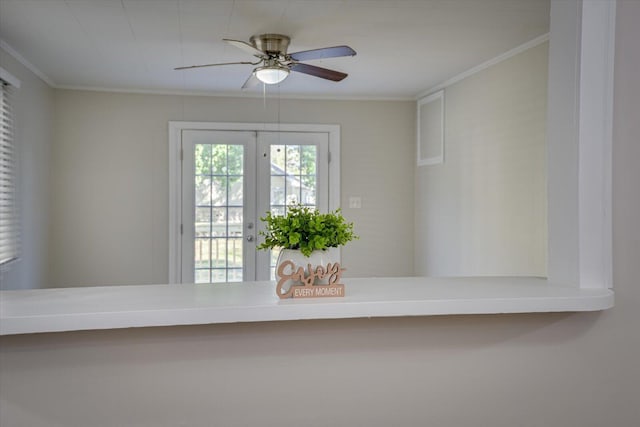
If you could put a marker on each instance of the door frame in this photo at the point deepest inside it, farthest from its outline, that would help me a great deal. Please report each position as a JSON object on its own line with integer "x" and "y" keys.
{"x": 175, "y": 172}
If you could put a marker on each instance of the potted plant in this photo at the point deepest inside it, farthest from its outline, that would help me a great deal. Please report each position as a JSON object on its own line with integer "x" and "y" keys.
{"x": 305, "y": 235}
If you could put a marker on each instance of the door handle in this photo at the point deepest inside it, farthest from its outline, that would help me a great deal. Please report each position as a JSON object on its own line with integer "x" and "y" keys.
{"x": 250, "y": 238}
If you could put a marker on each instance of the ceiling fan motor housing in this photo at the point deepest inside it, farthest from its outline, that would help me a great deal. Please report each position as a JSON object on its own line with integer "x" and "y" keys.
{"x": 274, "y": 44}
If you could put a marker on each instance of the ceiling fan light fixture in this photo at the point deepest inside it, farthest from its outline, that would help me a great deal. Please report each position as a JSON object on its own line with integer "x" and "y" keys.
{"x": 271, "y": 75}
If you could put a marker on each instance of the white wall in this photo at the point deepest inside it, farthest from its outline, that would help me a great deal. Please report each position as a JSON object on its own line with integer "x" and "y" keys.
{"x": 483, "y": 212}
{"x": 109, "y": 160}
{"x": 33, "y": 109}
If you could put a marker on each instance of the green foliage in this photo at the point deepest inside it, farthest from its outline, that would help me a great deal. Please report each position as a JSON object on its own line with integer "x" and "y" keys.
{"x": 306, "y": 229}
{"x": 218, "y": 159}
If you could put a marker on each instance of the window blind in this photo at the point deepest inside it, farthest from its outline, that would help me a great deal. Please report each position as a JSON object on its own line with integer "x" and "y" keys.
{"x": 8, "y": 208}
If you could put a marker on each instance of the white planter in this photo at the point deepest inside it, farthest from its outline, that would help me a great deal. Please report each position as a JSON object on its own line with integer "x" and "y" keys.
{"x": 317, "y": 258}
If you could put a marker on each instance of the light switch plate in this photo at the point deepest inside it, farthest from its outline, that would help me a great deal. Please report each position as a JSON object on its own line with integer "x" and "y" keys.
{"x": 355, "y": 202}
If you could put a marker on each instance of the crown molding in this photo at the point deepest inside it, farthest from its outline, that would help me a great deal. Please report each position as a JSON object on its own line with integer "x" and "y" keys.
{"x": 248, "y": 95}
{"x": 21, "y": 59}
{"x": 502, "y": 57}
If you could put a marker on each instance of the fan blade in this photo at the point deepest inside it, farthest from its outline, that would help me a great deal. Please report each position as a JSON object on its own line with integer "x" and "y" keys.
{"x": 326, "y": 52}
{"x": 323, "y": 73}
{"x": 246, "y": 47}
{"x": 213, "y": 65}
{"x": 252, "y": 81}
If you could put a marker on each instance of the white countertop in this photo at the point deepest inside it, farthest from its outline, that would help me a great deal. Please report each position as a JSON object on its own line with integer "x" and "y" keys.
{"x": 111, "y": 307}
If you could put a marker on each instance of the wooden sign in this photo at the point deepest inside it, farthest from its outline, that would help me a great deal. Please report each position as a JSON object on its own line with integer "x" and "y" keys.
{"x": 302, "y": 283}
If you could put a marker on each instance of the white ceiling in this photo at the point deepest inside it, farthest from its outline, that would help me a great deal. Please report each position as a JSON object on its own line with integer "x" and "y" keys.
{"x": 403, "y": 47}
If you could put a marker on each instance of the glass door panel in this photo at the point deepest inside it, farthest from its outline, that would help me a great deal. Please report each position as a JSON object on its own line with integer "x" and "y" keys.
{"x": 296, "y": 164}
{"x": 232, "y": 178}
{"x": 215, "y": 207}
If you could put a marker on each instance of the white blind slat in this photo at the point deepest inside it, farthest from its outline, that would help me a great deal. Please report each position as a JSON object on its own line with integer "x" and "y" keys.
{"x": 9, "y": 223}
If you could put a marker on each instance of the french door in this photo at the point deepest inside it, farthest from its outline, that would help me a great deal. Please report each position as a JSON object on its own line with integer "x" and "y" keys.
{"x": 229, "y": 179}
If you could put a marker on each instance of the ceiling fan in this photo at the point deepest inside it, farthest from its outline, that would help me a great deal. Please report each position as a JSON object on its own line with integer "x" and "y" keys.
{"x": 275, "y": 63}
